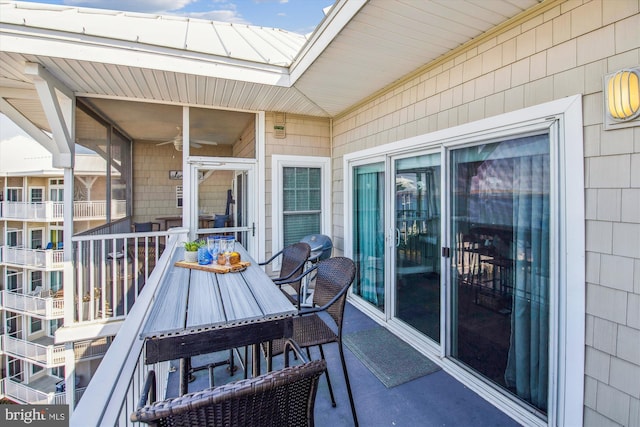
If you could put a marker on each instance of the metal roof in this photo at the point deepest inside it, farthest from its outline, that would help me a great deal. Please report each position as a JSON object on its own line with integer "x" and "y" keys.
{"x": 227, "y": 40}
{"x": 361, "y": 47}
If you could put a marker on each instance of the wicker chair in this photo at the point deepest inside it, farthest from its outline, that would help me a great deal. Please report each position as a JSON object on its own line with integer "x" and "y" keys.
{"x": 280, "y": 398}
{"x": 294, "y": 258}
{"x": 333, "y": 278}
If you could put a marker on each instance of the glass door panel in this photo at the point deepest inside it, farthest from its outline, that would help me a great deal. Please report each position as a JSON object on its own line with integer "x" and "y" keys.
{"x": 500, "y": 212}
{"x": 223, "y": 203}
{"x": 417, "y": 244}
{"x": 368, "y": 233}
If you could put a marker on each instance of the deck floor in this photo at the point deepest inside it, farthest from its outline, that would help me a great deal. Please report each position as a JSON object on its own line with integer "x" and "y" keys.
{"x": 436, "y": 399}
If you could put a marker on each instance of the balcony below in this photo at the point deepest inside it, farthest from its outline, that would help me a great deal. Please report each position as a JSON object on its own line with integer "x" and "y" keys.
{"x": 42, "y": 304}
{"x": 36, "y": 259}
{"x": 53, "y": 211}
{"x": 40, "y": 391}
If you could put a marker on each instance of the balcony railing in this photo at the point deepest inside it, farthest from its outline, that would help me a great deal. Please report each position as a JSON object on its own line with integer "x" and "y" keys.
{"x": 115, "y": 388}
{"x": 47, "y": 307}
{"x": 53, "y": 211}
{"x": 46, "y": 259}
{"x": 111, "y": 270}
{"x": 45, "y": 355}
{"x": 25, "y": 394}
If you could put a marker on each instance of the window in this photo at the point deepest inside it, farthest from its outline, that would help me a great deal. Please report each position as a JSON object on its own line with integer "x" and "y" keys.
{"x": 14, "y": 194}
{"x": 301, "y": 203}
{"x": 36, "y": 195}
{"x": 36, "y": 239}
{"x": 36, "y": 280}
{"x": 301, "y": 198}
{"x": 14, "y": 237}
{"x": 178, "y": 196}
{"x": 56, "y": 280}
{"x": 56, "y": 190}
{"x": 35, "y": 325}
{"x": 14, "y": 279}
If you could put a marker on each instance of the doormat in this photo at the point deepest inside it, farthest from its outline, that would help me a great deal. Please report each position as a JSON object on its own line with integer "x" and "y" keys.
{"x": 389, "y": 358}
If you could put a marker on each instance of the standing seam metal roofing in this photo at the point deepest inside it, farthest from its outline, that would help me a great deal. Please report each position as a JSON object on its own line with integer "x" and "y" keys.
{"x": 236, "y": 41}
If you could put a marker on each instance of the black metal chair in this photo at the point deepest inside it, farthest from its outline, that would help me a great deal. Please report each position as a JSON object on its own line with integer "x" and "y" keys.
{"x": 280, "y": 398}
{"x": 333, "y": 278}
{"x": 294, "y": 258}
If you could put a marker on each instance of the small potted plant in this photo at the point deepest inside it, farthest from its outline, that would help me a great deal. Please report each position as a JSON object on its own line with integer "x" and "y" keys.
{"x": 191, "y": 250}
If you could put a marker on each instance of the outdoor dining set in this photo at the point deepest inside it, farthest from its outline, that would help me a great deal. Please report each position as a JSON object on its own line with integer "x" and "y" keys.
{"x": 203, "y": 308}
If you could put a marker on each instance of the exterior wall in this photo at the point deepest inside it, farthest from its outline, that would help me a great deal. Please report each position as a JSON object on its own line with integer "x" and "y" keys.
{"x": 565, "y": 49}
{"x": 154, "y": 194}
{"x": 305, "y": 136}
{"x": 245, "y": 147}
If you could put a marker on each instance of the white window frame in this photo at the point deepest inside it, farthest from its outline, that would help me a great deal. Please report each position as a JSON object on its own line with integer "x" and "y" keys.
{"x": 14, "y": 194}
{"x": 567, "y": 323}
{"x": 278, "y": 163}
{"x": 43, "y": 194}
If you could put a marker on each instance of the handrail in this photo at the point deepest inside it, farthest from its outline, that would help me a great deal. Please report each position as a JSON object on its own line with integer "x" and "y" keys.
{"x": 115, "y": 386}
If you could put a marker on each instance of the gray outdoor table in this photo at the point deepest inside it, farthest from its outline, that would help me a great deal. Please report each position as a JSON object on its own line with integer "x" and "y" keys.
{"x": 198, "y": 312}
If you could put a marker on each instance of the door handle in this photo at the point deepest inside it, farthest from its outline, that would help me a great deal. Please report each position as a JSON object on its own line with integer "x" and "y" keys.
{"x": 397, "y": 237}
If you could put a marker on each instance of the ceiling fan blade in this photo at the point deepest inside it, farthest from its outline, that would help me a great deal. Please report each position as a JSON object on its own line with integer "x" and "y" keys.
{"x": 195, "y": 145}
{"x": 166, "y": 142}
{"x": 203, "y": 142}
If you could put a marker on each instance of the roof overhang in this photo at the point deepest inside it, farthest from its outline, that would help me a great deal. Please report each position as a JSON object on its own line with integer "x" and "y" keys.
{"x": 360, "y": 48}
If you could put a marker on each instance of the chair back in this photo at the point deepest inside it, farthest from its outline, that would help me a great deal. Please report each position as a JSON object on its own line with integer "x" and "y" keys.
{"x": 294, "y": 258}
{"x": 279, "y": 398}
{"x": 334, "y": 276}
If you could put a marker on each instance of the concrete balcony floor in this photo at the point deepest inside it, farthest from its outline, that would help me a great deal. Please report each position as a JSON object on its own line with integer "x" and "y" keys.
{"x": 436, "y": 399}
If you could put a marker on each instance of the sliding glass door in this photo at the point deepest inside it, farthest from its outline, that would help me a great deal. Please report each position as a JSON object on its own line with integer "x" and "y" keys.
{"x": 500, "y": 269}
{"x": 417, "y": 243}
{"x": 368, "y": 233}
{"x": 494, "y": 206}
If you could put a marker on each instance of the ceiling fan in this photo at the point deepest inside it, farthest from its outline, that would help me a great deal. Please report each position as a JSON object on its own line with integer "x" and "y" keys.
{"x": 178, "y": 142}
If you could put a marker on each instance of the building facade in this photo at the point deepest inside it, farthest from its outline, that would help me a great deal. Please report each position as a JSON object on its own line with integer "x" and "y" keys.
{"x": 488, "y": 195}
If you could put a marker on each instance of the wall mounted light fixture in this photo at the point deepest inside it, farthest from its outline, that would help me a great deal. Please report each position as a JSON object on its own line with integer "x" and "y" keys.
{"x": 622, "y": 98}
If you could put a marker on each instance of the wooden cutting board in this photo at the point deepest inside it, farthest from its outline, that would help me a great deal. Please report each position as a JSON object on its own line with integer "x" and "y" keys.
{"x": 214, "y": 268}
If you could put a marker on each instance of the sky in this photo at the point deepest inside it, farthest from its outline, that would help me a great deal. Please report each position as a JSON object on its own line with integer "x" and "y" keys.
{"x": 298, "y": 16}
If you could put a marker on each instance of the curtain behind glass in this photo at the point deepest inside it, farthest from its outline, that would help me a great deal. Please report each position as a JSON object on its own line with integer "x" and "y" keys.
{"x": 368, "y": 235}
{"x": 528, "y": 361}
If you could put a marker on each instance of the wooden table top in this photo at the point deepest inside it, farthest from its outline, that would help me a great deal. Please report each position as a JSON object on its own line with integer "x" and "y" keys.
{"x": 192, "y": 301}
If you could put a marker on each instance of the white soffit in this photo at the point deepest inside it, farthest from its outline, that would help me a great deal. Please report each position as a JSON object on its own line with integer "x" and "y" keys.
{"x": 386, "y": 40}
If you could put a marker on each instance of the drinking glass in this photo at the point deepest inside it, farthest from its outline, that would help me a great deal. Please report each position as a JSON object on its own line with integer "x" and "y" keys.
{"x": 230, "y": 245}
{"x": 213, "y": 244}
